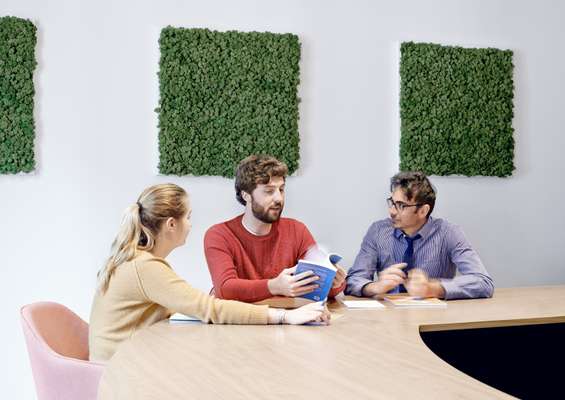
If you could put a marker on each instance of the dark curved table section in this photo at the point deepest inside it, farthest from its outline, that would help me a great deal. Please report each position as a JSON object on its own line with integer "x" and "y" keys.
{"x": 525, "y": 361}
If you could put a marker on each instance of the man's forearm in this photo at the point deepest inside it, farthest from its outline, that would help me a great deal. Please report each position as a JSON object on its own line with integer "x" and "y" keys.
{"x": 468, "y": 286}
{"x": 246, "y": 290}
{"x": 371, "y": 289}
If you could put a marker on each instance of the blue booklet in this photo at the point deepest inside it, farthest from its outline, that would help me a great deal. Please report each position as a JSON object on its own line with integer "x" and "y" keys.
{"x": 322, "y": 265}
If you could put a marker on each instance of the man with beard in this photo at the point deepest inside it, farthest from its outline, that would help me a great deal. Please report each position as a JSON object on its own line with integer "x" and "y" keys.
{"x": 254, "y": 255}
{"x": 413, "y": 252}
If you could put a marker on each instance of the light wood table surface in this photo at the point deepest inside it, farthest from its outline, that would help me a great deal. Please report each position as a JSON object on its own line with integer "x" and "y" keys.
{"x": 363, "y": 354}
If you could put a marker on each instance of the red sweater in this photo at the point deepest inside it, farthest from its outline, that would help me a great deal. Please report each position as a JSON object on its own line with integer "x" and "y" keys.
{"x": 241, "y": 263}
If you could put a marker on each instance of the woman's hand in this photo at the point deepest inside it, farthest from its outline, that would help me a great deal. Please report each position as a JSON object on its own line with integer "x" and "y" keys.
{"x": 313, "y": 312}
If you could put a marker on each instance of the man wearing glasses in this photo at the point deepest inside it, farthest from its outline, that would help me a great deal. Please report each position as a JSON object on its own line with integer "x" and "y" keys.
{"x": 413, "y": 252}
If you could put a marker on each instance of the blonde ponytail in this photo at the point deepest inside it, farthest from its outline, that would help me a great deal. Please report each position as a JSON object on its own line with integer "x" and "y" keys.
{"x": 140, "y": 224}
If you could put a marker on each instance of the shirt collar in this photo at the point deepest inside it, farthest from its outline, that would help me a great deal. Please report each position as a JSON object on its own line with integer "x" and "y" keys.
{"x": 424, "y": 230}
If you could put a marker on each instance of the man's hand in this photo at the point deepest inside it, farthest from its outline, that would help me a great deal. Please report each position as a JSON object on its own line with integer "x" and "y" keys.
{"x": 388, "y": 279}
{"x": 339, "y": 277}
{"x": 418, "y": 284}
{"x": 289, "y": 285}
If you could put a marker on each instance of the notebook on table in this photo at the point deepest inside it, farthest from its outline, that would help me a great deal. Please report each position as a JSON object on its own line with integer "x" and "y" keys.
{"x": 403, "y": 300}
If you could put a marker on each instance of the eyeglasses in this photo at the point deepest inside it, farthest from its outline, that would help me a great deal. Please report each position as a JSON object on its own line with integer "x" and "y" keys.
{"x": 399, "y": 205}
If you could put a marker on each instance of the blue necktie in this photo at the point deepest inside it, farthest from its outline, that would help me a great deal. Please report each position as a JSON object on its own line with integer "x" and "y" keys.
{"x": 408, "y": 257}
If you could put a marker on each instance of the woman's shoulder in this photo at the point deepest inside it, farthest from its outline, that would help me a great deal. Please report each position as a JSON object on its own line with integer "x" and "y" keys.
{"x": 144, "y": 260}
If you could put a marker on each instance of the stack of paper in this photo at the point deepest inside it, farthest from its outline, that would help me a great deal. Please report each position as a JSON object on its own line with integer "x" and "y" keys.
{"x": 363, "y": 304}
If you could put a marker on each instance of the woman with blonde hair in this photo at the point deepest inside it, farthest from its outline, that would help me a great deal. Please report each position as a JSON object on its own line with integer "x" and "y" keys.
{"x": 137, "y": 287}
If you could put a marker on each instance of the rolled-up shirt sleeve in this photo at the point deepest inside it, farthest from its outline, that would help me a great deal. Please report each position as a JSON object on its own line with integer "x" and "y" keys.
{"x": 363, "y": 269}
{"x": 473, "y": 280}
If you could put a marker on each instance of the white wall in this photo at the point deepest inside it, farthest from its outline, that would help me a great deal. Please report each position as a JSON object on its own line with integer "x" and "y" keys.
{"x": 96, "y": 138}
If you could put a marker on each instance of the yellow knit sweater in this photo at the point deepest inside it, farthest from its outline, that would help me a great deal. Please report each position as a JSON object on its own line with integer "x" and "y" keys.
{"x": 146, "y": 290}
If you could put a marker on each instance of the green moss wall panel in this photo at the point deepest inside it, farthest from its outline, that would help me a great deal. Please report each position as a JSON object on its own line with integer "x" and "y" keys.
{"x": 17, "y": 63}
{"x": 456, "y": 109}
{"x": 224, "y": 96}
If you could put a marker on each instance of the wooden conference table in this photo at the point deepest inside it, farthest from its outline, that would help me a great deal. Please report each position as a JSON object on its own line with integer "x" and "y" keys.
{"x": 363, "y": 354}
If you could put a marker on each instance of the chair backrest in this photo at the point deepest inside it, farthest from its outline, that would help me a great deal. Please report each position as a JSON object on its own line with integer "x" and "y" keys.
{"x": 57, "y": 342}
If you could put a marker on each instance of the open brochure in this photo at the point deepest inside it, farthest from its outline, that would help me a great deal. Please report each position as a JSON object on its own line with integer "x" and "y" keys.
{"x": 322, "y": 264}
{"x": 403, "y": 300}
{"x": 178, "y": 318}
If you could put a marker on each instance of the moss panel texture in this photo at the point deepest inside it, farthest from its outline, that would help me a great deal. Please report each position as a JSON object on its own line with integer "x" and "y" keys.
{"x": 17, "y": 63}
{"x": 456, "y": 109}
{"x": 224, "y": 96}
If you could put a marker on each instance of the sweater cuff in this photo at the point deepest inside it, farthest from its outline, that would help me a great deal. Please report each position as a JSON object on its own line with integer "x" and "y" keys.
{"x": 264, "y": 289}
{"x": 258, "y": 315}
{"x": 335, "y": 291}
{"x": 452, "y": 290}
{"x": 355, "y": 286}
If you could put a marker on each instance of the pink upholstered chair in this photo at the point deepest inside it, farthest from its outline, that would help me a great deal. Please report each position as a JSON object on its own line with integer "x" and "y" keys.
{"x": 57, "y": 342}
